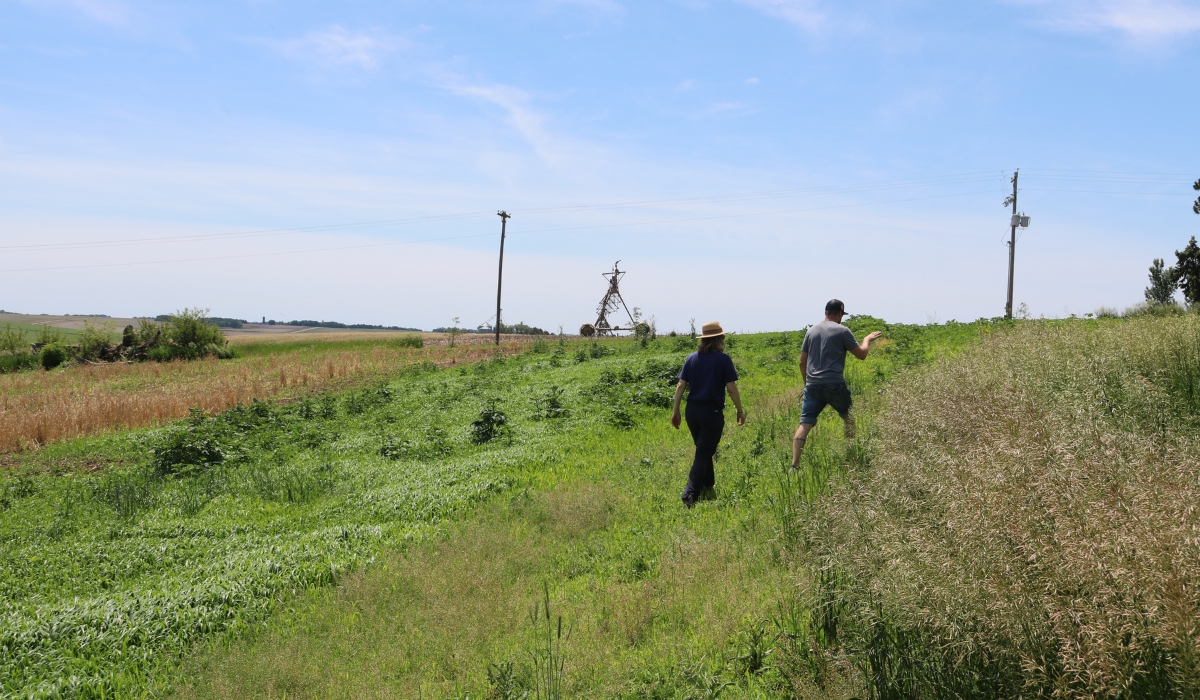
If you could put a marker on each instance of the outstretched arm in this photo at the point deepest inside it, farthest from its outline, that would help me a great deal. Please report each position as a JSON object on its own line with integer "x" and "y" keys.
{"x": 679, "y": 388}
{"x": 861, "y": 351}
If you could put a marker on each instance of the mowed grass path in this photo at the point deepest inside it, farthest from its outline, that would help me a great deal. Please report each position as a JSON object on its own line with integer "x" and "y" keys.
{"x": 659, "y": 601}
{"x": 109, "y": 579}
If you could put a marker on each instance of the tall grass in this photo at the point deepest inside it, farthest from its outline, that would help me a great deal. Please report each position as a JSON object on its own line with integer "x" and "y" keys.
{"x": 1027, "y": 524}
{"x": 37, "y": 408}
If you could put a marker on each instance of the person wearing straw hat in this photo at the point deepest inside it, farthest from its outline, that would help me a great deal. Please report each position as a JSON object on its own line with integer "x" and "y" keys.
{"x": 822, "y": 361}
{"x": 707, "y": 375}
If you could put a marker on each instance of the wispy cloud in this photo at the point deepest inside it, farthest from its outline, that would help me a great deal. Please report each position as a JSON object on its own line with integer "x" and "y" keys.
{"x": 114, "y": 13}
{"x": 805, "y": 14}
{"x": 515, "y": 103}
{"x": 1141, "y": 20}
{"x": 338, "y": 47}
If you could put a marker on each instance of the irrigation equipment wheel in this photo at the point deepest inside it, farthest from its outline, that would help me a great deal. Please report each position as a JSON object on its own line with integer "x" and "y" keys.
{"x": 587, "y": 330}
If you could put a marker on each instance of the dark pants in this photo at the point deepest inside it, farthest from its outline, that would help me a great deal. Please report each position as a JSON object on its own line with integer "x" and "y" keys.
{"x": 706, "y": 421}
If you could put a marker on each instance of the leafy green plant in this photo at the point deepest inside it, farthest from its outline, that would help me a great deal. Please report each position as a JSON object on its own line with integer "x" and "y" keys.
{"x": 186, "y": 335}
{"x": 491, "y": 423}
{"x": 506, "y": 682}
{"x": 549, "y": 404}
{"x": 53, "y": 355}
{"x": 95, "y": 341}
{"x": 48, "y": 334}
{"x": 187, "y": 448}
{"x": 410, "y": 340}
{"x": 12, "y": 340}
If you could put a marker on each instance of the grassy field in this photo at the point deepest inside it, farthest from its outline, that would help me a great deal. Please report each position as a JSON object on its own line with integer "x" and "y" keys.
{"x": 1026, "y": 523}
{"x": 38, "y": 407}
{"x": 204, "y": 529}
{"x": 1014, "y": 518}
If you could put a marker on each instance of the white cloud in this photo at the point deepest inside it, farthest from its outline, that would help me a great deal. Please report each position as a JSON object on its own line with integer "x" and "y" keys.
{"x": 338, "y": 47}
{"x": 1141, "y": 20}
{"x": 802, "y": 13}
{"x": 515, "y": 103}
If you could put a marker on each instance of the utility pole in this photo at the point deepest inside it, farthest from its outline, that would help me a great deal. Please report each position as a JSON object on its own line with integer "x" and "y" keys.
{"x": 500, "y": 274}
{"x": 1012, "y": 246}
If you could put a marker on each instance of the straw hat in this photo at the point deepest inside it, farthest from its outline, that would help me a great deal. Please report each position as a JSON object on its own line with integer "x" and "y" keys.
{"x": 712, "y": 329}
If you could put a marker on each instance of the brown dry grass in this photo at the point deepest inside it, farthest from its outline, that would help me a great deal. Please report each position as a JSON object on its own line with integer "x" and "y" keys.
{"x": 40, "y": 407}
{"x": 1029, "y": 525}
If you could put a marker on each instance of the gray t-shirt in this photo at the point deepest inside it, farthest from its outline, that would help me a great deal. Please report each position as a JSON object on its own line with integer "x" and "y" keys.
{"x": 826, "y": 344}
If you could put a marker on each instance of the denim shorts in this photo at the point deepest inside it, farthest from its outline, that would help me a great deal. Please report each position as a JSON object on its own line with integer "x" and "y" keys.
{"x": 818, "y": 396}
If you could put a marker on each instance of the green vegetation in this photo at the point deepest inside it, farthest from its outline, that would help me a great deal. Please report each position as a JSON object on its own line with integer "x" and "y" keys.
{"x": 1011, "y": 512}
{"x": 52, "y": 356}
{"x": 1022, "y": 523}
{"x": 188, "y": 335}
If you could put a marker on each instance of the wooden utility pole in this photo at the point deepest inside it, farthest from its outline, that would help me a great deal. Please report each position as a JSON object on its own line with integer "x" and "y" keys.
{"x": 504, "y": 216}
{"x": 1012, "y": 247}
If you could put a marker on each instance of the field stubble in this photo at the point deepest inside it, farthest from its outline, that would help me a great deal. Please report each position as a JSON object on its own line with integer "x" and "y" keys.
{"x": 37, "y": 408}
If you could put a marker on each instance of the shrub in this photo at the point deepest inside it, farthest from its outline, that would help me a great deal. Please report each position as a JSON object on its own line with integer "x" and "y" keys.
{"x": 491, "y": 423}
{"x": 95, "y": 341}
{"x": 187, "y": 448}
{"x": 47, "y": 335}
{"x": 411, "y": 340}
{"x": 53, "y": 355}
{"x": 187, "y": 335}
{"x": 12, "y": 340}
{"x": 549, "y": 404}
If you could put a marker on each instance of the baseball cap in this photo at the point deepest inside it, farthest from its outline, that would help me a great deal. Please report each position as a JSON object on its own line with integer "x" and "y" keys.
{"x": 835, "y": 306}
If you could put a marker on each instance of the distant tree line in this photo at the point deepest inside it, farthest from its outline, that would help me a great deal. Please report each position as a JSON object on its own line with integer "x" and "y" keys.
{"x": 361, "y": 326}
{"x": 217, "y": 321}
{"x": 221, "y": 322}
{"x": 513, "y": 329}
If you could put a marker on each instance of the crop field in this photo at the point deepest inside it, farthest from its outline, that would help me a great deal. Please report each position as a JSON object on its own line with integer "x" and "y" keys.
{"x": 510, "y": 527}
{"x": 37, "y": 408}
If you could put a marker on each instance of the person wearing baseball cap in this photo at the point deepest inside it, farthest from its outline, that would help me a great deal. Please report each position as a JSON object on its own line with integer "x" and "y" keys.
{"x": 707, "y": 375}
{"x": 822, "y": 361}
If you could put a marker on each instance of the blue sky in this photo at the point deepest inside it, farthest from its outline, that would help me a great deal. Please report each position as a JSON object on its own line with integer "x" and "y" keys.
{"x": 766, "y": 155}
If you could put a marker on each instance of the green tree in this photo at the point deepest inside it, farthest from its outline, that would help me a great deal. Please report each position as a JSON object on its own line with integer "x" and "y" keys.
{"x": 1196, "y": 205}
{"x": 1163, "y": 281}
{"x": 1188, "y": 271}
{"x": 188, "y": 335}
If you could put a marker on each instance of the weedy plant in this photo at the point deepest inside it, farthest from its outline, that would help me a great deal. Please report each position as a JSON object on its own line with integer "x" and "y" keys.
{"x": 549, "y": 660}
{"x": 12, "y": 340}
{"x": 491, "y": 423}
{"x": 550, "y": 404}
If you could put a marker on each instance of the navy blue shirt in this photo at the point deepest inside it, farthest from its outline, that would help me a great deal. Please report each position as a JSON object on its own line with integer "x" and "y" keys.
{"x": 707, "y": 376}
